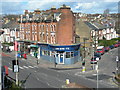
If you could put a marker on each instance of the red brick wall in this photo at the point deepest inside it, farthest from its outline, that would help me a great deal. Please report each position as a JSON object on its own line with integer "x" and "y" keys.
{"x": 65, "y": 32}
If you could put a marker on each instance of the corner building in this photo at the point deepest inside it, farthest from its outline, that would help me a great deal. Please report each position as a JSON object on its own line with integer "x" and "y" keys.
{"x": 54, "y": 31}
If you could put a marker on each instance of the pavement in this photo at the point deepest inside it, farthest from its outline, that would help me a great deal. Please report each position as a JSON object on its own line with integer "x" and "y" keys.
{"x": 51, "y": 65}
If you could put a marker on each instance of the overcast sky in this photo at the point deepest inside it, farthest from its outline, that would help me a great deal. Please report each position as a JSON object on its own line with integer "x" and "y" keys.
{"x": 84, "y": 6}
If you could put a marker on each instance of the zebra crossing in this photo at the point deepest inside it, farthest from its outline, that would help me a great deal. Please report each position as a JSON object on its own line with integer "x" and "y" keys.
{"x": 23, "y": 67}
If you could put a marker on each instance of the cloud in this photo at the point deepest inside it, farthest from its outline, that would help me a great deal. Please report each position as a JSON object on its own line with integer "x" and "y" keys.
{"x": 85, "y": 6}
{"x": 111, "y": 0}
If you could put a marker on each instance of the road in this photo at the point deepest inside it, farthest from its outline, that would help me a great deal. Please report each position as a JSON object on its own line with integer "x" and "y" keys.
{"x": 49, "y": 78}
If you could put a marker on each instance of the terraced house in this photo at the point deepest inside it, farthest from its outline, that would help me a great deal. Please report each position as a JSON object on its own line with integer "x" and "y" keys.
{"x": 54, "y": 31}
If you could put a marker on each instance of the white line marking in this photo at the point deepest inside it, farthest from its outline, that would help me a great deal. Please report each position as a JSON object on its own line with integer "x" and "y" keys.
{"x": 21, "y": 67}
{"x": 25, "y": 67}
{"x": 10, "y": 69}
{"x": 38, "y": 79}
{"x": 31, "y": 66}
{"x": 94, "y": 74}
{"x": 35, "y": 71}
{"x": 36, "y": 66}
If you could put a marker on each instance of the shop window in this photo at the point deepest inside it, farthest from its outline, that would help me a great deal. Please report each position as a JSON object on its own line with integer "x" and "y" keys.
{"x": 48, "y": 53}
{"x": 45, "y": 52}
{"x": 67, "y": 54}
{"x": 42, "y": 52}
{"x": 56, "y": 55}
{"x": 52, "y": 53}
{"x": 72, "y": 54}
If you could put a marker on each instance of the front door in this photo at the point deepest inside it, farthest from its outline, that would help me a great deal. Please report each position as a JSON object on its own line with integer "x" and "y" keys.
{"x": 61, "y": 58}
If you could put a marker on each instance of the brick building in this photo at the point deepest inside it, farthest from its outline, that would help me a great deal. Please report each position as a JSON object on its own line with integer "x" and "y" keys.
{"x": 48, "y": 26}
{"x": 54, "y": 31}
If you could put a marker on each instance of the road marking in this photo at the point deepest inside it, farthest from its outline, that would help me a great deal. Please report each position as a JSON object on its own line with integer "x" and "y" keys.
{"x": 35, "y": 71}
{"x": 31, "y": 66}
{"x": 38, "y": 79}
{"x": 25, "y": 67}
{"x": 36, "y": 66}
{"x": 10, "y": 69}
{"x": 21, "y": 67}
{"x": 94, "y": 74}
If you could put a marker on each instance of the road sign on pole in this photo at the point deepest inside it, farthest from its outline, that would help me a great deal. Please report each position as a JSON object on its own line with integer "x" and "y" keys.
{"x": 15, "y": 66}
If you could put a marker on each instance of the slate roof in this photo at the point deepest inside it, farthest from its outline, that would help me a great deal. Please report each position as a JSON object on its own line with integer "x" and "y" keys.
{"x": 91, "y": 26}
{"x": 95, "y": 26}
{"x": 42, "y": 16}
{"x": 11, "y": 25}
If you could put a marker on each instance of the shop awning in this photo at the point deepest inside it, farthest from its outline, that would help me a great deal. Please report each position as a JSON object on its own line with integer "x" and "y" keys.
{"x": 35, "y": 46}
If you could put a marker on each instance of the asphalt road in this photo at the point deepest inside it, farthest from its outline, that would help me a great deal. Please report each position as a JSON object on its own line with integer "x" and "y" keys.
{"x": 50, "y": 78}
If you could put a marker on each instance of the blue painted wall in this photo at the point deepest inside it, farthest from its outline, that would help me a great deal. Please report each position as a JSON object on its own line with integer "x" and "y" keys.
{"x": 69, "y": 48}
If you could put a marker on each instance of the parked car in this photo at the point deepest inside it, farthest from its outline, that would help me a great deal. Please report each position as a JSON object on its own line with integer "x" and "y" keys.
{"x": 106, "y": 49}
{"x": 111, "y": 46}
{"x": 100, "y": 49}
{"x": 97, "y": 55}
{"x": 116, "y": 45}
{"x": 93, "y": 60}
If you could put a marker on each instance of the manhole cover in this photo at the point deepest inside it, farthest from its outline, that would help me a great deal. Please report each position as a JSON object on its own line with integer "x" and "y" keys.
{"x": 100, "y": 77}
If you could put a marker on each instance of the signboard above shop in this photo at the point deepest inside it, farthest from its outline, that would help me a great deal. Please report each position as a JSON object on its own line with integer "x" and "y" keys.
{"x": 65, "y": 48}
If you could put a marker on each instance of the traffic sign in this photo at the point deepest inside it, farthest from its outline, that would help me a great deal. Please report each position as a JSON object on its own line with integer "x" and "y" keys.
{"x": 16, "y": 68}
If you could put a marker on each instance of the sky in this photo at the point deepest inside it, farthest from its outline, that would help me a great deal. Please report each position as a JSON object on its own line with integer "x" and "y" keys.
{"x": 83, "y": 6}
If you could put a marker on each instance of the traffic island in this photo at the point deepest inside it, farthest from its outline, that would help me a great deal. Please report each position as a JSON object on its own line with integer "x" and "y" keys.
{"x": 74, "y": 85}
{"x": 117, "y": 78}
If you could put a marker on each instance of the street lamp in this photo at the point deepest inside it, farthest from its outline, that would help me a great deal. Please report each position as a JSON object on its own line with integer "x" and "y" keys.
{"x": 83, "y": 62}
{"x": 97, "y": 71}
{"x": 84, "y": 39}
{"x": 1, "y": 32}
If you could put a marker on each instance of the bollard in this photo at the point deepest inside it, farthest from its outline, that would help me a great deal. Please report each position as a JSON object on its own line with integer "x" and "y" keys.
{"x": 67, "y": 81}
{"x": 83, "y": 69}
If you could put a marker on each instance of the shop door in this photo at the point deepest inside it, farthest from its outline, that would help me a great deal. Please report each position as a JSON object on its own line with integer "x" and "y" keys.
{"x": 61, "y": 58}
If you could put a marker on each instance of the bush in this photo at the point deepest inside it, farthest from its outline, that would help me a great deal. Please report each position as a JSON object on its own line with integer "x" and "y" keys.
{"x": 108, "y": 42}
{"x": 9, "y": 44}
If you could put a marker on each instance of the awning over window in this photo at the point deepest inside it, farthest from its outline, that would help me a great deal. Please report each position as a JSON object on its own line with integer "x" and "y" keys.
{"x": 33, "y": 46}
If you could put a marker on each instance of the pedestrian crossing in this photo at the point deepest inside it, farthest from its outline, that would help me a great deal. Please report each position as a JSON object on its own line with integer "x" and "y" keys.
{"x": 23, "y": 67}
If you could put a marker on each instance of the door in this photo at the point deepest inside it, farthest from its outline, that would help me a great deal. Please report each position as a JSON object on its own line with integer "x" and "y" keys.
{"x": 61, "y": 58}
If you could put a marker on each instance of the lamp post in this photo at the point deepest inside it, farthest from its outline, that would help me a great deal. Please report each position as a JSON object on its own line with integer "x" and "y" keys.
{"x": 97, "y": 72}
{"x": 1, "y": 32}
{"x": 84, "y": 39}
{"x": 83, "y": 62}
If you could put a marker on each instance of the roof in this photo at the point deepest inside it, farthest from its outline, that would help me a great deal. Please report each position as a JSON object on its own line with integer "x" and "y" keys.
{"x": 95, "y": 25}
{"x": 99, "y": 26}
{"x": 91, "y": 25}
{"x": 11, "y": 25}
{"x": 46, "y": 16}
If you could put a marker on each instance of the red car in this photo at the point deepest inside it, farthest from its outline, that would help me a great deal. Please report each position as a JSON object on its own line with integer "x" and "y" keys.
{"x": 100, "y": 49}
{"x": 116, "y": 45}
{"x": 107, "y": 49}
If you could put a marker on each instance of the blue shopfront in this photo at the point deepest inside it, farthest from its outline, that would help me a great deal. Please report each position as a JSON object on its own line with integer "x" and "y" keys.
{"x": 67, "y": 54}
